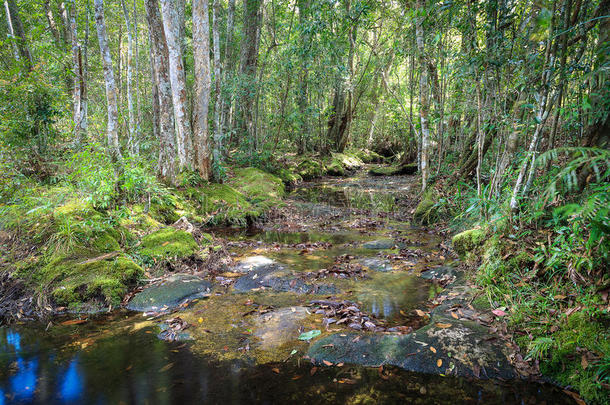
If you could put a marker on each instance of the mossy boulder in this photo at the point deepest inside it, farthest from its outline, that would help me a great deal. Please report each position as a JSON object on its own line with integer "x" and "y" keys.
{"x": 310, "y": 169}
{"x": 289, "y": 177}
{"x": 221, "y": 204}
{"x": 167, "y": 243}
{"x": 170, "y": 293}
{"x": 368, "y": 156}
{"x": 468, "y": 241}
{"x": 103, "y": 279}
{"x": 257, "y": 184}
{"x": 348, "y": 161}
{"x": 395, "y": 170}
{"x": 428, "y": 209}
{"x": 166, "y": 210}
{"x": 335, "y": 169}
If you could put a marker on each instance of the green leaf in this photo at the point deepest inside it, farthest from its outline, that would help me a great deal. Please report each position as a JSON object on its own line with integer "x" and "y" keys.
{"x": 309, "y": 335}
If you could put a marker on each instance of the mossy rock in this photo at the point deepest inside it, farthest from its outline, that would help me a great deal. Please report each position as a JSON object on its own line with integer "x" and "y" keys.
{"x": 349, "y": 162}
{"x": 76, "y": 281}
{"x": 310, "y": 169}
{"x": 335, "y": 169}
{"x": 289, "y": 177}
{"x": 221, "y": 204}
{"x": 368, "y": 156}
{"x": 170, "y": 293}
{"x": 106, "y": 241}
{"x": 165, "y": 211}
{"x": 427, "y": 211}
{"x": 256, "y": 184}
{"x": 168, "y": 243}
{"x": 467, "y": 241}
{"x": 410, "y": 168}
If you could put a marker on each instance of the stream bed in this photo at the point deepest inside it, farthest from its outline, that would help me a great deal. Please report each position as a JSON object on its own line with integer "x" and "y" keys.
{"x": 318, "y": 306}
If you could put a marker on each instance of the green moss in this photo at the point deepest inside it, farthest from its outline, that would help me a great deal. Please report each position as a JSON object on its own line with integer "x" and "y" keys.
{"x": 289, "y": 177}
{"x": 165, "y": 210}
{"x": 310, "y": 169}
{"x": 348, "y": 161}
{"x": 395, "y": 170}
{"x": 167, "y": 243}
{"x": 428, "y": 211}
{"x": 468, "y": 241}
{"x": 564, "y": 363}
{"x": 368, "y": 156}
{"x": 255, "y": 184}
{"x": 335, "y": 169}
{"x": 106, "y": 242}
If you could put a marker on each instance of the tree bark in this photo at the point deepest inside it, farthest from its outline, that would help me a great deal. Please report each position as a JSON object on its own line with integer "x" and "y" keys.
{"x": 131, "y": 128}
{"x": 112, "y": 130}
{"x": 424, "y": 106}
{"x": 218, "y": 133}
{"x": 77, "y": 65}
{"x": 305, "y": 38}
{"x": 201, "y": 54}
{"x": 52, "y": 24}
{"x": 171, "y": 26}
{"x": 166, "y": 168}
{"x": 229, "y": 66}
{"x": 17, "y": 31}
{"x": 248, "y": 65}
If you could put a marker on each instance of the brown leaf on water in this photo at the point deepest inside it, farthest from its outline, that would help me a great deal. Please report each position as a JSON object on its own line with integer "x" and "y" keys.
{"x": 454, "y": 315}
{"x": 297, "y": 377}
{"x": 74, "y": 322}
{"x": 275, "y": 370}
{"x": 421, "y": 313}
{"x": 328, "y": 363}
{"x": 443, "y": 325}
{"x": 313, "y": 370}
{"x": 439, "y": 362}
{"x": 166, "y": 367}
{"x": 339, "y": 364}
{"x": 432, "y": 349}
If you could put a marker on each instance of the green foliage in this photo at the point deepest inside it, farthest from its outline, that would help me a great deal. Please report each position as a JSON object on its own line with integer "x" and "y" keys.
{"x": 166, "y": 243}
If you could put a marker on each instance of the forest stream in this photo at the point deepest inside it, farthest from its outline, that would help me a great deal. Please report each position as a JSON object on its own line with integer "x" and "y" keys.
{"x": 337, "y": 300}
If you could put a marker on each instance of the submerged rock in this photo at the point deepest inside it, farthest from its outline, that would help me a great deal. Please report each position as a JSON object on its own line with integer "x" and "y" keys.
{"x": 279, "y": 327}
{"x": 255, "y": 263}
{"x": 377, "y": 264}
{"x": 380, "y": 244}
{"x": 447, "y": 346}
{"x": 278, "y": 280}
{"x": 439, "y": 273}
{"x": 170, "y": 293}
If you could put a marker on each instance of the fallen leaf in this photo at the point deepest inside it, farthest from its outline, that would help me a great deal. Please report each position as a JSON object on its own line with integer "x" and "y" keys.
{"x": 313, "y": 370}
{"x": 166, "y": 367}
{"x": 275, "y": 370}
{"x": 310, "y": 335}
{"x": 583, "y": 362}
{"x": 443, "y": 325}
{"x": 200, "y": 320}
{"x": 296, "y": 377}
{"x": 328, "y": 363}
{"x": 454, "y": 315}
{"x": 498, "y": 312}
{"x": 165, "y": 243}
{"x": 419, "y": 312}
{"x": 432, "y": 349}
{"x": 439, "y": 362}
{"x": 339, "y": 364}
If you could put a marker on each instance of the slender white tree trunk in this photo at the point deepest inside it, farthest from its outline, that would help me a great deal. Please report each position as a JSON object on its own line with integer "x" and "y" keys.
{"x": 203, "y": 82}
{"x": 131, "y": 128}
{"x": 225, "y": 114}
{"x": 77, "y": 71}
{"x": 171, "y": 26}
{"x": 160, "y": 66}
{"x": 218, "y": 135}
{"x": 423, "y": 97}
{"x": 111, "y": 89}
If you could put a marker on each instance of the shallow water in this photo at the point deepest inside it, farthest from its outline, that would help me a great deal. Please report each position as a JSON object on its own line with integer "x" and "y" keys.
{"x": 88, "y": 366}
{"x": 117, "y": 358}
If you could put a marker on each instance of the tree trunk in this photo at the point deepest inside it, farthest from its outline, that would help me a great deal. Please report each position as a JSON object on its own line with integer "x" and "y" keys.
{"x": 424, "y": 105}
{"x": 52, "y": 24}
{"x": 84, "y": 76}
{"x": 131, "y": 129}
{"x": 218, "y": 133}
{"x": 17, "y": 31}
{"x": 171, "y": 26}
{"x": 77, "y": 65}
{"x": 304, "y": 131}
{"x": 111, "y": 89}
{"x": 166, "y": 168}
{"x": 201, "y": 54}
{"x": 225, "y": 114}
{"x": 248, "y": 65}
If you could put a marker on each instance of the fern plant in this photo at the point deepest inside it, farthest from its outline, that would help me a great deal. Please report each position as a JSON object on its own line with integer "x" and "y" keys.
{"x": 539, "y": 347}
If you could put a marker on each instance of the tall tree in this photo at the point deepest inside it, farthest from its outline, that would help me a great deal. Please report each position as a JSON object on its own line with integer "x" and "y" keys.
{"x": 171, "y": 26}
{"x": 18, "y": 32}
{"x": 131, "y": 127}
{"x": 166, "y": 167}
{"x": 229, "y": 66}
{"x": 79, "y": 82}
{"x": 247, "y": 69}
{"x": 203, "y": 81}
{"x": 218, "y": 130}
{"x": 424, "y": 103}
{"x": 112, "y": 129}
{"x": 305, "y": 39}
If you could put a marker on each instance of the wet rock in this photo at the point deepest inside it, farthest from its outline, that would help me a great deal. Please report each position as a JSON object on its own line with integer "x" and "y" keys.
{"x": 279, "y": 327}
{"x": 377, "y": 264}
{"x": 380, "y": 244}
{"x": 170, "y": 293}
{"x": 446, "y": 346}
{"x": 251, "y": 263}
{"x": 439, "y": 273}
{"x": 278, "y": 280}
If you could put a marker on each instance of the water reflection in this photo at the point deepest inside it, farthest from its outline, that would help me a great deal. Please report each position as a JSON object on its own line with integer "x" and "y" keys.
{"x": 135, "y": 367}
